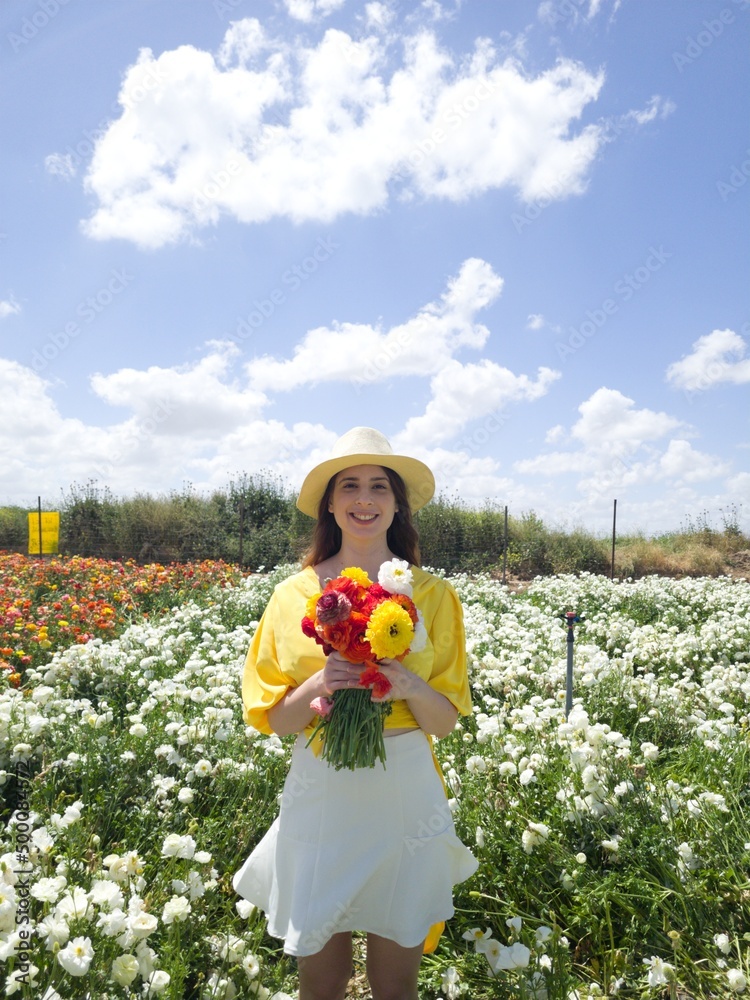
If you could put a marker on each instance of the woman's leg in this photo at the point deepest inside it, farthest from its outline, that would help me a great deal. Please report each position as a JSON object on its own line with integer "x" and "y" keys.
{"x": 324, "y": 975}
{"x": 392, "y": 970}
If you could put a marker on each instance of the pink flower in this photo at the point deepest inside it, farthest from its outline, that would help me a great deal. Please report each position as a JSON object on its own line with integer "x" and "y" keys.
{"x": 332, "y": 607}
{"x": 321, "y": 706}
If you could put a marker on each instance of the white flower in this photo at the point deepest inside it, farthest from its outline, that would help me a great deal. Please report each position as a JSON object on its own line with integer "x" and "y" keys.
{"x": 613, "y": 845}
{"x": 176, "y": 846}
{"x": 74, "y": 905}
{"x": 54, "y": 930}
{"x": 722, "y": 942}
{"x": 527, "y": 776}
{"x": 106, "y": 894}
{"x": 26, "y": 974}
{"x": 535, "y": 833}
{"x": 157, "y": 982}
{"x": 142, "y": 924}
{"x": 515, "y": 957}
{"x": 244, "y": 908}
{"x": 125, "y": 969}
{"x": 251, "y": 965}
{"x": 176, "y": 909}
{"x": 450, "y": 982}
{"x": 479, "y": 836}
{"x": 542, "y": 934}
{"x": 659, "y": 971}
{"x": 76, "y": 956}
{"x": 514, "y": 923}
{"x": 395, "y": 577}
{"x": 419, "y": 641}
{"x": 476, "y": 765}
{"x": 650, "y": 751}
{"x": 581, "y": 858}
{"x": 479, "y": 937}
{"x": 203, "y": 857}
{"x": 737, "y": 980}
{"x": 204, "y": 769}
{"x": 185, "y": 795}
{"x": 138, "y": 729}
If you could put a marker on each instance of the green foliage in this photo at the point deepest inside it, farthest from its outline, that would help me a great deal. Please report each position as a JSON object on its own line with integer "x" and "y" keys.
{"x": 255, "y": 522}
{"x": 14, "y": 529}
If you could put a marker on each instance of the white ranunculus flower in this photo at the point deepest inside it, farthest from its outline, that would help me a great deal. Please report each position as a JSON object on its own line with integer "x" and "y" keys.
{"x": 722, "y": 942}
{"x": 176, "y": 909}
{"x": 125, "y": 969}
{"x": 157, "y": 982}
{"x": 419, "y": 641}
{"x": 395, "y": 577}
{"x": 24, "y": 975}
{"x": 142, "y": 924}
{"x": 76, "y": 956}
{"x": 534, "y": 834}
{"x": 737, "y": 980}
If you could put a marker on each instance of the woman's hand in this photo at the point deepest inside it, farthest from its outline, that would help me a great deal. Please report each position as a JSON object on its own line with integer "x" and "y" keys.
{"x": 339, "y": 674}
{"x": 404, "y": 683}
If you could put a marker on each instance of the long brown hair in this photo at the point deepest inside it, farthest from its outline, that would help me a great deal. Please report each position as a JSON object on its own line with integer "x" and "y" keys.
{"x": 402, "y": 537}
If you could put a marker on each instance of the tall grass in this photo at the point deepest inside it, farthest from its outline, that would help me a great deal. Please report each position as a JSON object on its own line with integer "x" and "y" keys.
{"x": 254, "y": 522}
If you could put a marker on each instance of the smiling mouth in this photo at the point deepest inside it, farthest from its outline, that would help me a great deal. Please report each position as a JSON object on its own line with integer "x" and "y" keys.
{"x": 364, "y": 518}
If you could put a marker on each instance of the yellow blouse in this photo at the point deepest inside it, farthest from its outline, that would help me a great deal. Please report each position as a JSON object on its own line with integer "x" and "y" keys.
{"x": 282, "y": 656}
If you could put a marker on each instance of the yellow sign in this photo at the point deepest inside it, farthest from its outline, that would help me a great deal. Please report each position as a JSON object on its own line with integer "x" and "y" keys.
{"x": 50, "y": 532}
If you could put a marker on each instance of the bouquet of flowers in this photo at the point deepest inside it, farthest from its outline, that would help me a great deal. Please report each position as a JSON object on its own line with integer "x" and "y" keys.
{"x": 365, "y": 622}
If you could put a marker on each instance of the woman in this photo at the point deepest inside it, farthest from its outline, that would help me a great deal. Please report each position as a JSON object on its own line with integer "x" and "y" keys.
{"x": 374, "y": 849}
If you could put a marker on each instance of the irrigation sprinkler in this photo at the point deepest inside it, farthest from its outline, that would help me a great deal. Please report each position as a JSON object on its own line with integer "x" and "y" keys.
{"x": 571, "y": 619}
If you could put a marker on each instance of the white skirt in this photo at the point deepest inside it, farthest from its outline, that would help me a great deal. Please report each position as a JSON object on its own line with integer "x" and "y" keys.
{"x": 371, "y": 850}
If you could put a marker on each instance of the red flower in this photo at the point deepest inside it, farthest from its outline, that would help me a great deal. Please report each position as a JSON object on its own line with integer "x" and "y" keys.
{"x": 371, "y": 677}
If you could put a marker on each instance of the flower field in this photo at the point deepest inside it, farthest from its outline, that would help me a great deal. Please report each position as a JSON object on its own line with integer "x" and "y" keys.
{"x": 49, "y": 605}
{"x": 614, "y": 844}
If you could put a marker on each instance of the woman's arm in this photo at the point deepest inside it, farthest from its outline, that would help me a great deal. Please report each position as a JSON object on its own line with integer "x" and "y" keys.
{"x": 433, "y": 711}
{"x": 293, "y": 713}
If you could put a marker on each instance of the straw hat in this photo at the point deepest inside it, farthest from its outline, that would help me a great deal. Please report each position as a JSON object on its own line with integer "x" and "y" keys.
{"x": 366, "y": 446}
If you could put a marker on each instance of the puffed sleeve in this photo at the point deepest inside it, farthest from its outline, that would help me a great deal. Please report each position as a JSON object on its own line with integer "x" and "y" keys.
{"x": 449, "y": 675}
{"x": 263, "y": 681}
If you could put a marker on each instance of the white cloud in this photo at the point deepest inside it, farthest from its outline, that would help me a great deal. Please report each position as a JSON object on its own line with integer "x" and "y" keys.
{"x": 683, "y": 462}
{"x": 535, "y": 322}
{"x": 196, "y": 399}
{"x": 609, "y": 423}
{"x": 262, "y": 131}
{"x": 717, "y": 357}
{"x": 307, "y": 10}
{"x": 9, "y": 307}
{"x": 60, "y": 165}
{"x": 462, "y": 394}
{"x": 365, "y": 354}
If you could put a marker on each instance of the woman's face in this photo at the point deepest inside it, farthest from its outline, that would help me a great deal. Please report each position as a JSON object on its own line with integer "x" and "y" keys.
{"x": 362, "y": 501}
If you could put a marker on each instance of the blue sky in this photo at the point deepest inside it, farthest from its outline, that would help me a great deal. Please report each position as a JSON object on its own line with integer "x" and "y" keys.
{"x": 511, "y": 235}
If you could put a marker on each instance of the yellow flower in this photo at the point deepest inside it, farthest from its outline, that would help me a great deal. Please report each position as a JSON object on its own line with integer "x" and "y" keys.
{"x": 390, "y": 630}
{"x": 358, "y": 575}
{"x": 310, "y": 606}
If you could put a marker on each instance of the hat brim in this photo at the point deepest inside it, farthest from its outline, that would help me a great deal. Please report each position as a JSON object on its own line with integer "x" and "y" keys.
{"x": 417, "y": 477}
